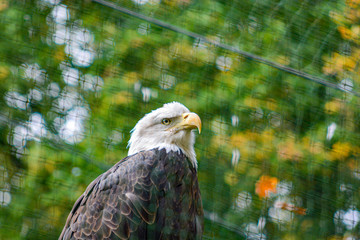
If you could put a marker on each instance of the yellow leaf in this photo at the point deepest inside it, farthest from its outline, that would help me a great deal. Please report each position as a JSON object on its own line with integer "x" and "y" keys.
{"x": 123, "y": 97}
{"x": 4, "y": 72}
{"x": 283, "y": 60}
{"x": 162, "y": 57}
{"x": 231, "y": 178}
{"x": 352, "y": 3}
{"x": 131, "y": 77}
{"x": 333, "y": 106}
{"x": 340, "y": 151}
{"x": 289, "y": 151}
{"x": 267, "y": 137}
{"x": 251, "y": 102}
{"x": 60, "y": 54}
{"x": 3, "y": 5}
{"x": 271, "y": 104}
{"x": 238, "y": 140}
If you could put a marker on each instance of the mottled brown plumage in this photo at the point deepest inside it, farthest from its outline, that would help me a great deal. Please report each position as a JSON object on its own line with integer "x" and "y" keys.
{"x": 152, "y": 194}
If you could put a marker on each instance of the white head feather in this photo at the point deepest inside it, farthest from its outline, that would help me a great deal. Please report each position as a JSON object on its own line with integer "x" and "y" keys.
{"x": 151, "y": 133}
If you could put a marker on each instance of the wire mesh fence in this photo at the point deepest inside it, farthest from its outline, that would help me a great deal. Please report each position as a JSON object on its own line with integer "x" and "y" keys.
{"x": 276, "y": 84}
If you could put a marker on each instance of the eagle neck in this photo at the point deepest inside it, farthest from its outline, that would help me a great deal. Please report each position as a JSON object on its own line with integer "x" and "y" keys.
{"x": 184, "y": 143}
{"x": 188, "y": 152}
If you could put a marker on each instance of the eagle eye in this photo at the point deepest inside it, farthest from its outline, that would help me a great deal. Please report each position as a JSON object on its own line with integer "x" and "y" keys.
{"x": 166, "y": 121}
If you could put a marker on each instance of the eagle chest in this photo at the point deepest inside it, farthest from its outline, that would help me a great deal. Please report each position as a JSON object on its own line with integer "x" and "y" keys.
{"x": 149, "y": 195}
{"x": 180, "y": 199}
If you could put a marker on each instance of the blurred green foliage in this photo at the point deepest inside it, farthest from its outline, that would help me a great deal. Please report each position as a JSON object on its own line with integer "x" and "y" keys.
{"x": 278, "y": 156}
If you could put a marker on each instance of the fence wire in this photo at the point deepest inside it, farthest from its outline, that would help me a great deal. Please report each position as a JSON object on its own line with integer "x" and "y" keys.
{"x": 278, "y": 156}
{"x": 248, "y": 55}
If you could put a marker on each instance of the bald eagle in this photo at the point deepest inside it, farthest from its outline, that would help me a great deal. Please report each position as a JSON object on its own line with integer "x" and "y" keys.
{"x": 153, "y": 193}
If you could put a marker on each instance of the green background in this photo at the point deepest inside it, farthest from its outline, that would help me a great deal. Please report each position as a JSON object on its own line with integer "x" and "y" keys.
{"x": 278, "y": 155}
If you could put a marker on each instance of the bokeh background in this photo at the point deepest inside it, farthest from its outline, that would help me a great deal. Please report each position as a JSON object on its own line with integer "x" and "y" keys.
{"x": 278, "y": 156}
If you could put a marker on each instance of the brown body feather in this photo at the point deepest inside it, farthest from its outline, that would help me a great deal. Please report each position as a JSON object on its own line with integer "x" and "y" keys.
{"x": 149, "y": 195}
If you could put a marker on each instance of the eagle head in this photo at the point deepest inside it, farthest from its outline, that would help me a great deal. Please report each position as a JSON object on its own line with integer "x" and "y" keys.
{"x": 169, "y": 127}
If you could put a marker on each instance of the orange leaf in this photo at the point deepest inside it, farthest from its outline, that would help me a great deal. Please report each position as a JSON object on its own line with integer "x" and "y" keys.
{"x": 345, "y": 32}
{"x": 291, "y": 207}
{"x": 265, "y": 186}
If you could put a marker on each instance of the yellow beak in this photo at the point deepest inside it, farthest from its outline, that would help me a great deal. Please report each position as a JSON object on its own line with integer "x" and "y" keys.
{"x": 190, "y": 121}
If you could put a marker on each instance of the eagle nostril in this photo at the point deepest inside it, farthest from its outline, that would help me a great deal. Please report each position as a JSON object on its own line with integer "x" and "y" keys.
{"x": 186, "y": 116}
